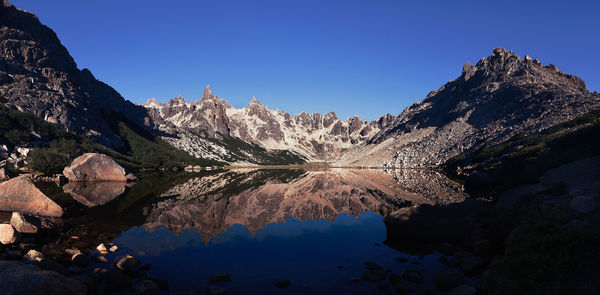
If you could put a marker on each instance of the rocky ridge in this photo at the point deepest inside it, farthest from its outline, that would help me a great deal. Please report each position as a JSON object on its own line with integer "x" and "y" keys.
{"x": 499, "y": 97}
{"x": 314, "y": 136}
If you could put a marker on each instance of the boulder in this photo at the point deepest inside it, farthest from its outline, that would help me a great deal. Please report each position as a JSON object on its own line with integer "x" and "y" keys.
{"x": 20, "y": 194}
{"x": 96, "y": 167}
{"x": 93, "y": 194}
{"x": 27, "y": 223}
{"x": 128, "y": 264}
{"x": 8, "y": 234}
{"x": 33, "y": 257}
{"x": 19, "y": 278}
{"x": 80, "y": 259}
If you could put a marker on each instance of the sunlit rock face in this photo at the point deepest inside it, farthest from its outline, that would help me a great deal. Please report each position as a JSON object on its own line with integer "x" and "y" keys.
{"x": 254, "y": 199}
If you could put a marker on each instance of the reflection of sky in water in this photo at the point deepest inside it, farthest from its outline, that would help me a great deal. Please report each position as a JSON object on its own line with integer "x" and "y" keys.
{"x": 307, "y": 253}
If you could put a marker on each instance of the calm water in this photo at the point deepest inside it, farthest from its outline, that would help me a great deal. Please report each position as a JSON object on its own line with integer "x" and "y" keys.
{"x": 314, "y": 228}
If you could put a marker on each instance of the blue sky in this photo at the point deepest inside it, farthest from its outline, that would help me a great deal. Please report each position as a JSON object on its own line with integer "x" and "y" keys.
{"x": 364, "y": 57}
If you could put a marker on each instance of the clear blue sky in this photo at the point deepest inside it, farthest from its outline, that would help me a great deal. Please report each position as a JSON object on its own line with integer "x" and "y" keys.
{"x": 365, "y": 57}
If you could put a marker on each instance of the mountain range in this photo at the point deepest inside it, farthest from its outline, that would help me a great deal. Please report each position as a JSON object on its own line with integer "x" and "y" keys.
{"x": 501, "y": 96}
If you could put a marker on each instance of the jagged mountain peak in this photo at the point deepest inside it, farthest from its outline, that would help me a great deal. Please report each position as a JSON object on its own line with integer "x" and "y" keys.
{"x": 207, "y": 93}
{"x": 255, "y": 102}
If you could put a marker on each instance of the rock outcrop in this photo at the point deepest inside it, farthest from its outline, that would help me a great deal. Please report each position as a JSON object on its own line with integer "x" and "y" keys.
{"x": 38, "y": 75}
{"x": 21, "y": 195}
{"x": 92, "y": 167}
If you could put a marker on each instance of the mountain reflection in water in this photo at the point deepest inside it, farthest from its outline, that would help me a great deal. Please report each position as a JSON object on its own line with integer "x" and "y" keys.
{"x": 254, "y": 198}
{"x": 315, "y": 228}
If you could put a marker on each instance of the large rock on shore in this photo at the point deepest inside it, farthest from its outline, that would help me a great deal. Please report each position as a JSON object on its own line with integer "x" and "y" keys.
{"x": 20, "y": 194}
{"x": 19, "y": 278}
{"x": 96, "y": 167}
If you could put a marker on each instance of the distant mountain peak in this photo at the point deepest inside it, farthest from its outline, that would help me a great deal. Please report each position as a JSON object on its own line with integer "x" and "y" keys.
{"x": 207, "y": 93}
{"x": 255, "y": 101}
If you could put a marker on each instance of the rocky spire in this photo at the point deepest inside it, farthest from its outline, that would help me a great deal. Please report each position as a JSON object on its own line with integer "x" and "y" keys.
{"x": 207, "y": 93}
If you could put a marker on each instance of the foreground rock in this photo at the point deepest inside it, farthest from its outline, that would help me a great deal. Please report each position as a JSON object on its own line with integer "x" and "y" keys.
{"x": 94, "y": 193}
{"x": 18, "y": 278}
{"x": 27, "y": 223}
{"x": 20, "y": 194}
{"x": 8, "y": 234}
{"x": 96, "y": 167}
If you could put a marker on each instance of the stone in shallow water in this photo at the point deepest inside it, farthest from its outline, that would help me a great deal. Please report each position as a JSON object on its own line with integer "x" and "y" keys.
{"x": 33, "y": 257}
{"x": 80, "y": 259}
{"x": 27, "y": 223}
{"x": 128, "y": 264}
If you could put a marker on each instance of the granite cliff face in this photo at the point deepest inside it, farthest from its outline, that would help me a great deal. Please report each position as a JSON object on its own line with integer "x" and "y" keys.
{"x": 314, "y": 136}
{"x": 38, "y": 75}
{"x": 499, "y": 97}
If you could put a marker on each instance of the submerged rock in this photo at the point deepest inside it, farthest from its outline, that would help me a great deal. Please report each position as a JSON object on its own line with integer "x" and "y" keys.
{"x": 20, "y": 194}
{"x": 18, "y": 278}
{"x": 33, "y": 257}
{"x": 96, "y": 167}
{"x": 128, "y": 264}
{"x": 27, "y": 223}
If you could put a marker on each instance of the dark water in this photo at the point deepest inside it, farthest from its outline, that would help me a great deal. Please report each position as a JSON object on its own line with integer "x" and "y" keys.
{"x": 313, "y": 228}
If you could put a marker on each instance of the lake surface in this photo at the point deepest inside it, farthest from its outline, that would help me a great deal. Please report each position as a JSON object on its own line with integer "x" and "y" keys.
{"x": 314, "y": 228}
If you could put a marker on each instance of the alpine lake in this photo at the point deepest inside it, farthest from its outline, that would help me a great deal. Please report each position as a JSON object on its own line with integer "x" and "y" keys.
{"x": 258, "y": 231}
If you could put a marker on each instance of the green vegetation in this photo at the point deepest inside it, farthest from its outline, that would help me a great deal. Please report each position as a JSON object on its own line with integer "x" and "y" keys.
{"x": 525, "y": 157}
{"x": 59, "y": 147}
